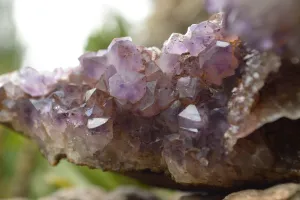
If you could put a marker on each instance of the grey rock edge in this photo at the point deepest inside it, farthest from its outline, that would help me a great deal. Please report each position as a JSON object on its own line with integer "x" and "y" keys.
{"x": 279, "y": 192}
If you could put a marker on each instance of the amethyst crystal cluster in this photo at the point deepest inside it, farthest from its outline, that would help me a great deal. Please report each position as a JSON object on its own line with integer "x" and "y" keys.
{"x": 130, "y": 107}
{"x": 178, "y": 110}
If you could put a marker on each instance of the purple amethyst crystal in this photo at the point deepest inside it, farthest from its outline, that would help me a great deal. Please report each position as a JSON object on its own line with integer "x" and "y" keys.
{"x": 34, "y": 83}
{"x": 124, "y": 55}
{"x": 206, "y": 41}
{"x": 129, "y": 86}
{"x": 93, "y": 66}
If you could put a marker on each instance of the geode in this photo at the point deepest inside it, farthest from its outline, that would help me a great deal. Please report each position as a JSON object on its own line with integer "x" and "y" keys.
{"x": 177, "y": 112}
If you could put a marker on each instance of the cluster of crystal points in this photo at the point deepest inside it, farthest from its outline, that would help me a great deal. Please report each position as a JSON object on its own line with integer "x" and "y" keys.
{"x": 129, "y": 103}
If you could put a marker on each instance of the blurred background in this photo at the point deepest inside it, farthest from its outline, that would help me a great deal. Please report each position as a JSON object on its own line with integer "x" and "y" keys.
{"x": 46, "y": 34}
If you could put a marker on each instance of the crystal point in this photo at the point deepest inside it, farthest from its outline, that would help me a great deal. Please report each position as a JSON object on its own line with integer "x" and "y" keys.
{"x": 96, "y": 122}
{"x": 190, "y": 113}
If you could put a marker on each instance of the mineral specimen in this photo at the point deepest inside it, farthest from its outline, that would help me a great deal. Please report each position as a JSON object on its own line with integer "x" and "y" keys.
{"x": 132, "y": 108}
{"x": 144, "y": 96}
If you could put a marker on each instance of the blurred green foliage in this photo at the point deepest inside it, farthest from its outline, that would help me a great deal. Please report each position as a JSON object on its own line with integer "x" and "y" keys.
{"x": 10, "y": 48}
{"x": 10, "y": 59}
{"x": 23, "y": 170}
{"x": 115, "y": 26}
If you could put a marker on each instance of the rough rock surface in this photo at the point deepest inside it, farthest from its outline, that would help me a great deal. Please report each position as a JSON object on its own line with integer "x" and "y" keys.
{"x": 91, "y": 193}
{"x": 288, "y": 191}
{"x": 95, "y": 193}
{"x": 130, "y": 193}
{"x": 280, "y": 192}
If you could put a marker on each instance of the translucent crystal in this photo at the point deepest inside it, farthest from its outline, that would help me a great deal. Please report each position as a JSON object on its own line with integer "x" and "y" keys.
{"x": 103, "y": 83}
{"x": 169, "y": 64}
{"x": 96, "y": 122}
{"x": 152, "y": 72}
{"x": 34, "y": 83}
{"x": 218, "y": 62}
{"x": 129, "y": 86}
{"x": 188, "y": 87}
{"x": 175, "y": 44}
{"x": 165, "y": 97}
{"x": 93, "y": 66}
{"x": 13, "y": 91}
{"x": 190, "y": 118}
{"x": 124, "y": 55}
{"x": 200, "y": 36}
{"x": 148, "y": 105}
